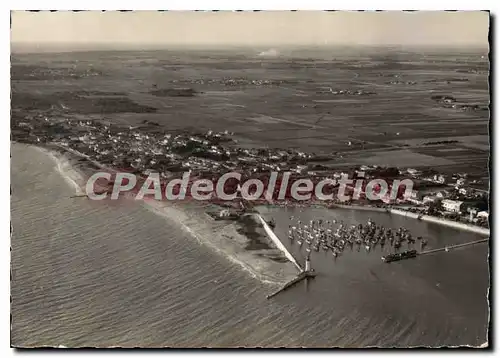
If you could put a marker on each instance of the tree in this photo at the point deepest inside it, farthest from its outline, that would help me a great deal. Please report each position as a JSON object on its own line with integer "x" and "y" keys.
{"x": 435, "y": 208}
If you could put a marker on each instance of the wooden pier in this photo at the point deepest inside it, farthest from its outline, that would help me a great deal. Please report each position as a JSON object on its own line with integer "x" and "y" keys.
{"x": 451, "y": 247}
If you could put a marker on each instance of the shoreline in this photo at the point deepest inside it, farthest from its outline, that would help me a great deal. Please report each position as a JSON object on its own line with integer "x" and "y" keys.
{"x": 427, "y": 218}
{"x": 361, "y": 208}
{"x": 444, "y": 222}
{"x": 221, "y": 237}
{"x": 73, "y": 173}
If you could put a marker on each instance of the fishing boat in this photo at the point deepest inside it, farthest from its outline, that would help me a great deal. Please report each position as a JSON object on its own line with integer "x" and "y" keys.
{"x": 400, "y": 256}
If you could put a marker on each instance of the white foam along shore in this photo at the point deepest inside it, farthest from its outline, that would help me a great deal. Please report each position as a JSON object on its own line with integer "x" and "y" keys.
{"x": 65, "y": 169}
{"x": 222, "y": 237}
{"x": 427, "y": 218}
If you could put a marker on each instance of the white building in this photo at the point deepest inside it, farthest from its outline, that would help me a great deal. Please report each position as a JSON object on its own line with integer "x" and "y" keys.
{"x": 415, "y": 197}
{"x": 442, "y": 194}
{"x": 452, "y": 205}
{"x": 466, "y": 191}
{"x": 472, "y": 213}
{"x": 339, "y": 175}
{"x": 483, "y": 214}
{"x": 413, "y": 171}
{"x": 441, "y": 179}
{"x": 301, "y": 169}
{"x": 224, "y": 213}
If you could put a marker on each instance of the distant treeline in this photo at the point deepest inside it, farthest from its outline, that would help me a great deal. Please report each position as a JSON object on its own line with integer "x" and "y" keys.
{"x": 174, "y": 92}
{"x": 441, "y": 142}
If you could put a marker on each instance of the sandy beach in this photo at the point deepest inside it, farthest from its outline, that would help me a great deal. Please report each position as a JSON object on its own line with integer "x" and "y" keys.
{"x": 223, "y": 237}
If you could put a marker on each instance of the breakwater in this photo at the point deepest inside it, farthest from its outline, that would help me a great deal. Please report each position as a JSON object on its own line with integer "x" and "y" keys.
{"x": 278, "y": 243}
{"x": 301, "y": 276}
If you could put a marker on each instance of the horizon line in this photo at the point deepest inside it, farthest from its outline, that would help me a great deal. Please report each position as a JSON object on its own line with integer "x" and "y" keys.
{"x": 47, "y": 47}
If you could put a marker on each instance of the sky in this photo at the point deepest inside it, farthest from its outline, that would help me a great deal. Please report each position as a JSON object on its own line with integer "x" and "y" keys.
{"x": 153, "y": 28}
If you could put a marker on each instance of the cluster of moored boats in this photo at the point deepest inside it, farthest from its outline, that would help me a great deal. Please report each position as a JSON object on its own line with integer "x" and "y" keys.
{"x": 337, "y": 236}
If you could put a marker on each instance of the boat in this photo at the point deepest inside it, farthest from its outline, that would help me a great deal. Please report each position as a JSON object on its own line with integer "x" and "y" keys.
{"x": 400, "y": 256}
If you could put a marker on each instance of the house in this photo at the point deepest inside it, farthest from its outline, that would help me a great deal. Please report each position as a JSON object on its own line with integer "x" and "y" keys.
{"x": 472, "y": 212}
{"x": 360, "y": 173}
{"x": 483, "y": 214}
{"x": 441, "y": 179}
{"x": 442, "y": 194}
{"x": 300, "y": 169}
{"x": 412, "y": 171}
{"x": 340, "y": 175}
{"x": 452, "y": 206}
{"x": 224, "y": 213}
{"x": 466, "y": 191}
{"x": 415, "y": 197}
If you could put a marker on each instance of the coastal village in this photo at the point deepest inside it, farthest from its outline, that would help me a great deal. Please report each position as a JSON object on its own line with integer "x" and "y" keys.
{"x": 149, "y": 148}
{"x": 226, "y": 179}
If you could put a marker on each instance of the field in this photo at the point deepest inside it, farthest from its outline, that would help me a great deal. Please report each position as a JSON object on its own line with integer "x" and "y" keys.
{"x": 365, "y": 107}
